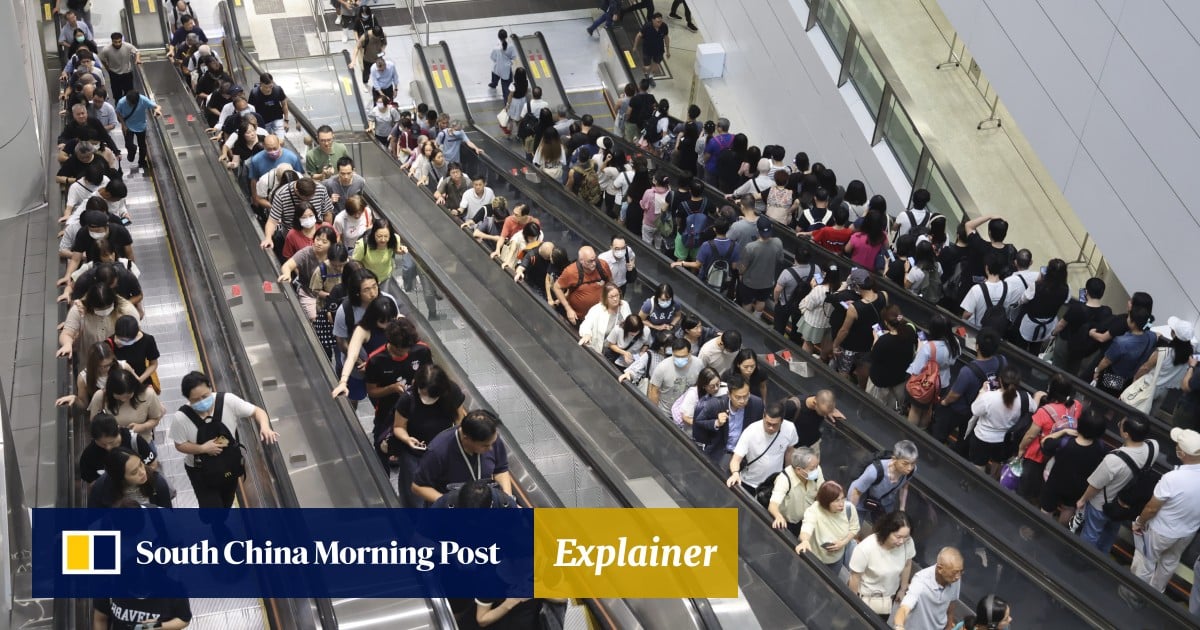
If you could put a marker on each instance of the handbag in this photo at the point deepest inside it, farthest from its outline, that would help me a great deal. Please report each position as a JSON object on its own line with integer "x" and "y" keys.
{"x": 502, "y": 118}
{"x": 879, "y": 604}
{"x": 1140, "y": 393}
{"x": 1111, "y": 381}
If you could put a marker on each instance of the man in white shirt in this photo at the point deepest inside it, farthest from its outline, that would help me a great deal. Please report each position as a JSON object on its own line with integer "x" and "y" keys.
{"x": 1170, "y": 520}
{"x": 919, "y": 215}
{"x": 621, "y": 260}
{"x": 761, "y": 450}
{"x": 974, "y": 305}
{"x": 718, "y": 352}
{"x": 1020, "y": 281}
{"x": 1109, "y": 478}
{"x": 929, "y": 603}
{"x": 475, "y": 199}
{"x": 536, "y": 104}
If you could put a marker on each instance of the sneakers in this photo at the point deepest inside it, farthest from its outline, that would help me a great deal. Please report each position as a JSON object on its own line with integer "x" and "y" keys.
{"x": 590, "y": 32}
{"x": 674, "y": 16}
{"x": 693, "y": 28}
{"x": 653, "y": 83}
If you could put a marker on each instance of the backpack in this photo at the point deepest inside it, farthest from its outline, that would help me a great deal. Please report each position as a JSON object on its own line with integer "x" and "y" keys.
{"x": 922, "y": 228}
{"x": 587, "y": 183}
{"x": 693, "y": 228}
{"x": 228, "y": 465}
{"x": 932, "y": 292}
{"x": 1066, "y": 421}
{"x": 995, "y": 316}
{"x": 990, "y": 376}
{"x": 1128, "y": 503}
{"x": 813, "y": 223}
{"x": 874, "y": 505}
{"x": 664, "y": 220}
{"x": 720, "y": 272}
{"x": 803, "y": 288}
{"x": 954, "y": 285}
{"x": 925, "y": 386}
{"x": 604, "y": 278}
{"x": 529, "y": 123}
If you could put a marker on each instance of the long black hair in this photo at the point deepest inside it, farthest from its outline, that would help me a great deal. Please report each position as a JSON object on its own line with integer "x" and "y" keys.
{"x": 114, "y": 468}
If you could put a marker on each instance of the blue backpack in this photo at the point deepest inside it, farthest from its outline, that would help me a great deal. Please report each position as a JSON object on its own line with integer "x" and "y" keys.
{"x": 696, "y": 223}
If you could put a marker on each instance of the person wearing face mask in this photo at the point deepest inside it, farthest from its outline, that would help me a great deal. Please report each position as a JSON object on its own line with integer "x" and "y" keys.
{"x": 206, "y": 431}
{"x": 435, "y": 403}
{"x": 288, "y": 204}
{"x": 670, "y": 379}
{"x": 795, "y": 488}
{"x": 273, "y": 155}
{"x": 136, "y": 349}
{"x": 72, "y": 20}
{"x": 720, "y": 420}
{"x": 662, "y": 312}
{"x": 621, "y": 261}
{"x": 91, "y": 319}
{"x": 303, "y": 232}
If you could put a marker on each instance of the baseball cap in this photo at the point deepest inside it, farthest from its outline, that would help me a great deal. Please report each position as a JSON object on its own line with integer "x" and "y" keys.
{"x": 1183, "y": 329}
{"x": 858, "y": 278}
{"x": 1187, "y": 439}
{"x": 764, "y": 226}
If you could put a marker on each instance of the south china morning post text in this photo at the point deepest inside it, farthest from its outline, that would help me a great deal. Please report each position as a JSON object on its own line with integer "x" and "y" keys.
{"x": 332, "y": 552}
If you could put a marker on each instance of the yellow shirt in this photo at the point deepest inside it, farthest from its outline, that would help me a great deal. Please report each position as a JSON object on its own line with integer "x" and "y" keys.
{"x": 824, "y": 526}
{"x": 794, "y": 494}
{"x": 381, "y": 261}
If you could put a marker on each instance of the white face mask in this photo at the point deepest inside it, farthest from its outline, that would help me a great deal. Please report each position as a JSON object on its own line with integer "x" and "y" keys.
{"x": 97, "y": 234}
{"x": 105, "y": 312}
{"x": 618, "y": 253}
{"x": 308, "y": 222}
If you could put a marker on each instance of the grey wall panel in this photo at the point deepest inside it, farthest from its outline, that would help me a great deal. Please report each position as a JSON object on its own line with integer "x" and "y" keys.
{"x": 1106, "y": 95}
{"x": 1084, "y": 27}
{"x": 21, "y": 152}
{"x": 786, "y": 96}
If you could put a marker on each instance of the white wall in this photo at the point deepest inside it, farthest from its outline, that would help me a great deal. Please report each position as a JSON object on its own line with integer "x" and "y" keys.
{"x": 777, "y": 90}
{"x": 24, "y": 99}
{"x": 1105, "y": 91}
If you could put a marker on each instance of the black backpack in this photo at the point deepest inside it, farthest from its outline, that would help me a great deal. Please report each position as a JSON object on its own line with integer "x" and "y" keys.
{"x": 995, "y": 316}
{"x": 803, "y": 287}
{"x": 1132, "y": 498}
{"x": 922, "y": 228}
{"x": 874, "y": 505}
{"x": 529, "y": 123}
{"x": 1015, "y": 433}
{"x": 604, "y": 278}
{"x": 228, "y": 465}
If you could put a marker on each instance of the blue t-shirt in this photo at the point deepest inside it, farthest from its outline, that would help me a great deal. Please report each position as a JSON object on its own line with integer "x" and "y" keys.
{"x": 135, "y": 117}
{"x": 261, "y": 163}
{"x": 718, "y": 247}
{"x": 452, "y": 142}
{"x": 967, "y": 384}
{"x": 1128, "y": 352}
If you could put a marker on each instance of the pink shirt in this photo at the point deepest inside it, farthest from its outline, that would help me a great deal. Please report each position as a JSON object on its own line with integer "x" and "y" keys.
{"x": 864, "y": 253}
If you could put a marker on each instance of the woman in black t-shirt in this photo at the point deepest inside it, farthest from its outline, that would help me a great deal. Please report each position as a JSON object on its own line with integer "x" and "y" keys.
{"x": 894, "y": 349}
{"x": 433, "y": 404}
{"x": 1038, "y": 314}
{"x": 138, "y": 349}
{"x": 1076, "y": 453}
{"x": 746, "y": 362}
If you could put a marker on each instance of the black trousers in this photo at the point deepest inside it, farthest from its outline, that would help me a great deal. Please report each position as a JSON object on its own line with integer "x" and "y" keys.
{"x": 687, "y": 12}
{"x": 210, "y": 496}
{"x": 119, "y": 85}
{"x": 140, "y": 150}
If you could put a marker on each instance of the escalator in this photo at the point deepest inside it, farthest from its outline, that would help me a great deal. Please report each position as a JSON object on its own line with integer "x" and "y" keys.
{"x": 1036, "y": 373}
{"x": 962, "y": 506}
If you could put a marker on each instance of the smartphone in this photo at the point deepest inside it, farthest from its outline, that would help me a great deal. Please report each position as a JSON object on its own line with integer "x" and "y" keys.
{"x": 1043, "y": 271}
{"x": 878, "y": 329}
{"x": 420, "y": 447}
{"x": 891, "y": 255}
{"x": 1083, "y": 295}
{"x": 819, "y": 277}
{"x": 827, "y": 545}
{"x": 921, "y": 335}
{"x": 993, "y": 383}
{"x": 845, "y": 305}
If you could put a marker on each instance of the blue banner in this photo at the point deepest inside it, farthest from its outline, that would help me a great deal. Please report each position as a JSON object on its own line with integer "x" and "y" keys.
{"x": 283, "y": 553}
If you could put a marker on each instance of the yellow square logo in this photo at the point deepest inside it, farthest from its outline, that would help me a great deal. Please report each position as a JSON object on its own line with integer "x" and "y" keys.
{"x": 91, "y": 553}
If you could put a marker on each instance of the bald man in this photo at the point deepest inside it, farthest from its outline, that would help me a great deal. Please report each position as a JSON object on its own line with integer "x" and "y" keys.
{"x": 809, "y": 414}
{"x": 931, "y": 595}
{"x": 581, "y": 284}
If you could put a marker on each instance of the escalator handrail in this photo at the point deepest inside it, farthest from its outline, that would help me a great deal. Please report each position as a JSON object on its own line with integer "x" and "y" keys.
{"x": 686, "y": 446}
{"x": 458, "y": 87}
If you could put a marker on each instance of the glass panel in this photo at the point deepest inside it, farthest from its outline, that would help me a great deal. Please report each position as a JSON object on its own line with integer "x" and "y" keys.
{"x": 902, "y": 137}
{"x": 835, "y": 24}
{"x": 866, "y": 78}
{"x": 942, "y": 199}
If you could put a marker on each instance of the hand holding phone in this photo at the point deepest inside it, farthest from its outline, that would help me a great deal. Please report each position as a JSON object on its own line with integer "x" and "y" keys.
{"x": 827, "y": 546}
{"x": 1083, "y": 295}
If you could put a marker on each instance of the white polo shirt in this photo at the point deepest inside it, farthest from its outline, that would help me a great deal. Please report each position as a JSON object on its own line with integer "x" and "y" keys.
{"x": 1179, "y": 490}
{"x": 766, "y": 451}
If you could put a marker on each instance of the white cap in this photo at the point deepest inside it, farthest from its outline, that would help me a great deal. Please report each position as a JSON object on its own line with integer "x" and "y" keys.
{"x": 1187, "y": 439}
{"x": 1183, "y": 329}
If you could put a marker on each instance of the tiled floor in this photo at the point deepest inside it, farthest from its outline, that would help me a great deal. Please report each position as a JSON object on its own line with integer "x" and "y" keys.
{"x": 291, "y": 35}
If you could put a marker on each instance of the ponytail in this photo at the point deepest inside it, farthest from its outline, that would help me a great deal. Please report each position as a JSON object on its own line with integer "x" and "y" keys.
{"x": 503, "y": 35}
{"x": 1010, "y": 380}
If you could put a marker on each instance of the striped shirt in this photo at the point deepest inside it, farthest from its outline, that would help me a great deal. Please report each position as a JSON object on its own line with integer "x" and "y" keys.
{"x": 285, "y": 204}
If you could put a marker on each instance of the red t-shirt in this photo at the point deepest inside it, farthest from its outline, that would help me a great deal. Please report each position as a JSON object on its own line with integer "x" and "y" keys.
{"x": 1046, "y": 417}
{"x": 589, "y": 292}
{"x": 832, "y": 238}
{"x": 511, "y": 227}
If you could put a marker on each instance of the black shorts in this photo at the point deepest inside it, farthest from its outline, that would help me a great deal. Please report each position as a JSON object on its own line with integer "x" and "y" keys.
{"x": 746, "y": 295}
{"x": 983, "y": 452}
{"x": 651, "y": 58}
